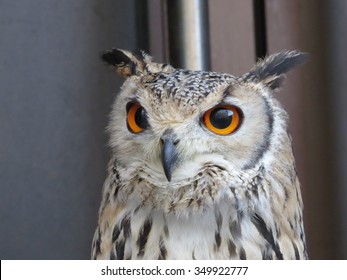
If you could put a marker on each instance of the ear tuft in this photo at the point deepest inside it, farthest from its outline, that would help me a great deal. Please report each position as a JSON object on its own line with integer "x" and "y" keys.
{"x": 271, "y": 71}
{"x": 121, "y": 60}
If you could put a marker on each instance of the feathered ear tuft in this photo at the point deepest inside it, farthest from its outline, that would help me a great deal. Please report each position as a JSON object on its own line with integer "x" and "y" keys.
{"x": 271, "y": 71}
{"x": 136, "y": 63}
{"x": 125, "y": 62}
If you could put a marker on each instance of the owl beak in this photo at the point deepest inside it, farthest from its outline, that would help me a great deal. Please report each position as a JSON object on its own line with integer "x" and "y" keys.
{"x": 168, "y": 155}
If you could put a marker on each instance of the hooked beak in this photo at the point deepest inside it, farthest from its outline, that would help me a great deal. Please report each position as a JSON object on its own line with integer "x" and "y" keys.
{"x": 168, "y": 154}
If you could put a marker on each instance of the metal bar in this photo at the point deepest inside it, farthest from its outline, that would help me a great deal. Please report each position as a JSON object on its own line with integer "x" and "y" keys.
{"x": 188, "y": 34}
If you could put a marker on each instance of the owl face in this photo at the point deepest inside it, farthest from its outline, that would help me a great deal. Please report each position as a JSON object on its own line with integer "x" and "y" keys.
{"x": 174, "y": 121}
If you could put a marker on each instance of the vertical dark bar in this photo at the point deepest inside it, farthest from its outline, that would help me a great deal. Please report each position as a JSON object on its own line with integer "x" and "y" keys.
{"x": 142, "y": 24}
{"x": 174, "y": 33}
{"x": 336, "y": 73}
{"x": 260, "y": 28}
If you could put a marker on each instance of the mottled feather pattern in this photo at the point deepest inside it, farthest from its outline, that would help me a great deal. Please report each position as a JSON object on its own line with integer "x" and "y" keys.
{"x": 237, "y": 203}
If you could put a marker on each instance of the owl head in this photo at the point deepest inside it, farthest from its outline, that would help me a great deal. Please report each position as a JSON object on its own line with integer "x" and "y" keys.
{"x": 170, "y": 122}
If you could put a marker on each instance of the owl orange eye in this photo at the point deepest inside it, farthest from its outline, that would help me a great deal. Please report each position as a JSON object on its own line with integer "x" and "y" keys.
{"x": 137, "y": 118}
{"x": 222, "y": 119}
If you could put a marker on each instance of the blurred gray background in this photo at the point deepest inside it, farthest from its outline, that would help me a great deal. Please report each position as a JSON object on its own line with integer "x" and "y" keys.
{"x": 55, "y": 97}
{"x": 54, "y": 101}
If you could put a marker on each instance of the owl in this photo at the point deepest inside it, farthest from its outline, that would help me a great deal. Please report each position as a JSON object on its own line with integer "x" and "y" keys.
{"x": 202, "y": 165}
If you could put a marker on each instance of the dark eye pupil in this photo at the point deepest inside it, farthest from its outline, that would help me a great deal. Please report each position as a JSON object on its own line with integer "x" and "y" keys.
{"x": 221, "y": 118}
{"x": 141, "y": 118}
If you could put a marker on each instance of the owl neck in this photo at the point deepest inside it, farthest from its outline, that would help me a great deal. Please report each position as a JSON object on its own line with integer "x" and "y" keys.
{"x": 239, "y": 222}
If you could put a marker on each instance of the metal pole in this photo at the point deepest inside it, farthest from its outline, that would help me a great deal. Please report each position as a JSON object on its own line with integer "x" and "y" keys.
{"x": 188, "y": 34}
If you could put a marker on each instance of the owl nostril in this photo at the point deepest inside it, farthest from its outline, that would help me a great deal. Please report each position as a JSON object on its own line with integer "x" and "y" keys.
{"x": 169, "y": 136}
{"x": 162, "y": 141}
